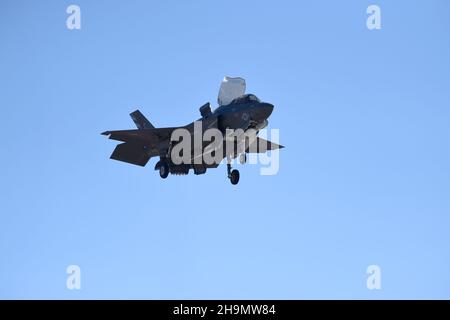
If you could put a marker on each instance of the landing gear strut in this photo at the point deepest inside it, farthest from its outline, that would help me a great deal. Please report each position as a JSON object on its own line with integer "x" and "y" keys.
{"x": 233, "y": 175}
{"x": 243, "y": 158}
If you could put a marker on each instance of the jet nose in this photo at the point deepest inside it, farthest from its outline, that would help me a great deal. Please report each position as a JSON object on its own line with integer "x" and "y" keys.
{"x": 266, "y": 109}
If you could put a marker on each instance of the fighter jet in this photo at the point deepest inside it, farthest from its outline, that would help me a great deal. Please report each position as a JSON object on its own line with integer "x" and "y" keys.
{"x": 237, "y": 112}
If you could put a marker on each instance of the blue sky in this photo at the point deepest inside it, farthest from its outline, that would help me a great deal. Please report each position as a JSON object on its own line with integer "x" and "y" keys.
{"x": 364, "y": 178}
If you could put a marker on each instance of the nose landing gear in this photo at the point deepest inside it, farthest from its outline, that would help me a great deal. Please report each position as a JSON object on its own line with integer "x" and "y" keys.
{"x": 163, "y": 170}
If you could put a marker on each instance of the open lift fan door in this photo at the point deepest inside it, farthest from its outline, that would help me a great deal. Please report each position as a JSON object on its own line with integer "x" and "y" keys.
{"x": 230, "y": 89}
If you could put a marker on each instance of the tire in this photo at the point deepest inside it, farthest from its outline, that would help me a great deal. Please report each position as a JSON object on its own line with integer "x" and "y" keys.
{"x": 164, "y": 170}
{"x": 234, "y": 177}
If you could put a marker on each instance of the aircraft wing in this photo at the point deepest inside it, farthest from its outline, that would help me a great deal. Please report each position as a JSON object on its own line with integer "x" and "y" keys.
{"x": 260, "y": 145}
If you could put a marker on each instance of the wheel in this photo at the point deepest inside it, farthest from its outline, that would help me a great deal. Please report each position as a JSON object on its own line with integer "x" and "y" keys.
{"x": 164, "y": 170}
{"x": 243, "y": 158}
{"x": 234, "y": 177}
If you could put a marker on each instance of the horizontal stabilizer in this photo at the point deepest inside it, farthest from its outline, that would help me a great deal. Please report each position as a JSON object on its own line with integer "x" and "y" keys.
{"x": 131, "y": 153}
{"x": 148, "y": 136}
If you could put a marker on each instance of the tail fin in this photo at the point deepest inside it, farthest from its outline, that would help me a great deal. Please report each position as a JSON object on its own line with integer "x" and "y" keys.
{"x": 140, "y": 120}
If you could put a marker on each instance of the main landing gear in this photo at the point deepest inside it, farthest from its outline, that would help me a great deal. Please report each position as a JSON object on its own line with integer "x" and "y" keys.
{"x": 233, "y": 175}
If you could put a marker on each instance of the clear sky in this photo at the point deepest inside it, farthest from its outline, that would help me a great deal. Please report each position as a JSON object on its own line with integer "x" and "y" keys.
{"x": 364, "y": 178}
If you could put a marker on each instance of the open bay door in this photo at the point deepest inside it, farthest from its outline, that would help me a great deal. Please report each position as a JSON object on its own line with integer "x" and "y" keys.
{"x": 230, "y": 89}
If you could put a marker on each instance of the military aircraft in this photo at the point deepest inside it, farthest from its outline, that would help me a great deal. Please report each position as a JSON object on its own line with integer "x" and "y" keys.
{"x": 236, "y": 110}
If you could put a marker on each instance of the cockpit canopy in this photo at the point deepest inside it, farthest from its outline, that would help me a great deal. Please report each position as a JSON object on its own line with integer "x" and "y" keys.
{"x": 246, "y": 98}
